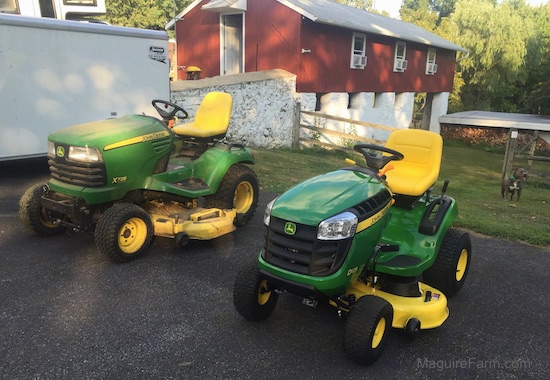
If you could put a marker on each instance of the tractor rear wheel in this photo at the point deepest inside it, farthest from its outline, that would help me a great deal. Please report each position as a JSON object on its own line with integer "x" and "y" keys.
{"x": 124, "y": 232}
{"x": 252, "y": 296}
{"x": 451, "y": 265}
{"x": 37, "y": 218}
{"x": 239, "y": 189}
{"x": 366, "y": 330}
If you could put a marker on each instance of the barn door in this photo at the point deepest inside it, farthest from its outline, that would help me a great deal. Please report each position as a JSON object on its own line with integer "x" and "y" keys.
{"x": 232, "y": 44}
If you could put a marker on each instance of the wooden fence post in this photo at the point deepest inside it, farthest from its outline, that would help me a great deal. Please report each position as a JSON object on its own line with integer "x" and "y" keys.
{"x": 509, "y": 155}
{"x": 297, "y": 118}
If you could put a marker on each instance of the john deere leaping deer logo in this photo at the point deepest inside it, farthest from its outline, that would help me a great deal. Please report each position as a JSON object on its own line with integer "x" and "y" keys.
{"x": 60, "y": 151}
{"x": 290, "y": 228}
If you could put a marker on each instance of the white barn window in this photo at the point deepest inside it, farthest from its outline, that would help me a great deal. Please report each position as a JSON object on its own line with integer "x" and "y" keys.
{"x": 358, "y": 51}
{"x": 399, "y": 61}
{"x": 431, "y": 66}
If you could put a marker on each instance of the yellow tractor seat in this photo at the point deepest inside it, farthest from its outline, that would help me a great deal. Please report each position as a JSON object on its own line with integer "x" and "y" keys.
{"x": 419, "y": 169}
{"x": 211, "y": 120}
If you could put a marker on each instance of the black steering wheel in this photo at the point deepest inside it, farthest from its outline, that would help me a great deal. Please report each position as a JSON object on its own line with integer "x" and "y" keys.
{"x": 377, "y": 161}
{"x": 168, "y": 110}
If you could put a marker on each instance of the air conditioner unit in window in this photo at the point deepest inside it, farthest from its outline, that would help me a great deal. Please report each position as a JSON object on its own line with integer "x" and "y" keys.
{"x": 431, "y": 68}
{"x": 400, "y": 64}
{"x": 359, "y": 60}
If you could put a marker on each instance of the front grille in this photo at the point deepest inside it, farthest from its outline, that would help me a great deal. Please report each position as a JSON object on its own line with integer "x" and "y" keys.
{"x": 302, "y": 252}
{"x": 78, "y": 173}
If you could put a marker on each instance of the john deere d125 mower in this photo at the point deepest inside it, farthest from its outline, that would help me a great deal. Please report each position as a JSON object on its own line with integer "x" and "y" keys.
{"x": 373, "y": 241}
{"x": 131, "y": 178}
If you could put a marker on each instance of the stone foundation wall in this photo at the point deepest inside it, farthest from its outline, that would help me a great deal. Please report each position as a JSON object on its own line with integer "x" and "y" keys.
{"x": 264, "y": 105}
{"x": 265, "y": 102}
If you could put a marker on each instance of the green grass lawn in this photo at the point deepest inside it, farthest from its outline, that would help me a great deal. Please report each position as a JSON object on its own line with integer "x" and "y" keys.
{"x": 474, "y": 176}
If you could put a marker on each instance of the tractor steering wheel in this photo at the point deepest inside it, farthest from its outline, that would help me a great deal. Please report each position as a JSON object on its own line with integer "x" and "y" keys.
{"x": 168, "y": 110}
{"x": 377, "y": 161}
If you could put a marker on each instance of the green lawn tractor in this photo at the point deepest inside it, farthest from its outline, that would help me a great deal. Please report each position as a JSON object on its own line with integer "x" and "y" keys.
{"x": 130, "y": 178}
{"x": 375, "y": 242}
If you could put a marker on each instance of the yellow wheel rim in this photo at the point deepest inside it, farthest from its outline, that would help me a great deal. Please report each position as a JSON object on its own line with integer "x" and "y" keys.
{"x": 379, "y": 332}
{"x": 462, "y": 264}
{"x": 132, "y": 235}
{"x": 244, "y": 196}
{"x": 263, "y": 293}
{"x": 45, "y": 220}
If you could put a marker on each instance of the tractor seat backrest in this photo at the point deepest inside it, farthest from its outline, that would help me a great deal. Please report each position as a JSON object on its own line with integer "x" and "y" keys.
{"x": 211, "y": 120}
{"x": 419, "y": 170}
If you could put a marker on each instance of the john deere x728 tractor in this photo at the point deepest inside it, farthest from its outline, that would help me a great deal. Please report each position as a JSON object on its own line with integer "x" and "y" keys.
{"x": 131, "y": 178}
{"x": 374, "y": 241}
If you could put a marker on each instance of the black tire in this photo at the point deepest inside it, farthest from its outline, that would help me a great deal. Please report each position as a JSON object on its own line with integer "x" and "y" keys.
{"x": 124, "y": 232}
{"x": 251, "y": 295}
{"x": 239, "y": 189}
{"x": 37, "y": 218}
{"x": 450, "y": 269}
{"x": 366, "y": 330}
{"x": 412, "y": 328}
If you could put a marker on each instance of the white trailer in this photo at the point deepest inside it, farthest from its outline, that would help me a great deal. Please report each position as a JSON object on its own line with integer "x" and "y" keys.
{"x": 60, "y": 9}
{"x": 57, "y": 73}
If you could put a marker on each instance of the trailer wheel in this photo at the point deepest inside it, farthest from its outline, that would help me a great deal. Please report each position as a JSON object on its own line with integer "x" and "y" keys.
{"x": 239, "y": 189}
{"x": 366, "y": 329}
{"x": 124, "y": 232}
{"x": 37, "y": 218}
{"x": 451, "y": 265}
{"x": 252, "y": 296}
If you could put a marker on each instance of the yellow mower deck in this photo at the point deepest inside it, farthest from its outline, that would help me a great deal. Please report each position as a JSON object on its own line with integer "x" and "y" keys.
{"x": 198, "y": 223}
{"x": 430, "y": 308}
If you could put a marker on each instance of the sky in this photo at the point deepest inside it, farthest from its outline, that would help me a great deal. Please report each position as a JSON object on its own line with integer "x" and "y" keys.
{"x": 392, "y": 6}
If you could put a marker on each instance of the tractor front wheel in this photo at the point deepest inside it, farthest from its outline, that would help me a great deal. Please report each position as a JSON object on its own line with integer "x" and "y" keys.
{"x": 253, "y": 298}
{"x": 451, "y": 265}
{"x": 124, "y": 232}
{"x": 239, "y": 189}
{"x": 366, "y": 330}
{"x": 37, "y": 218}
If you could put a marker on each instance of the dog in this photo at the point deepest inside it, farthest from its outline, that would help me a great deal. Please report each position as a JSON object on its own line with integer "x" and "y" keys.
{"x": 513, "y": 184}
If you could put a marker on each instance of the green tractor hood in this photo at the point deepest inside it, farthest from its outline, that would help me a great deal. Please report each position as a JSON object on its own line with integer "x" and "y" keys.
{"x": 111, "y": 132}
{"x": 324, "y": 196}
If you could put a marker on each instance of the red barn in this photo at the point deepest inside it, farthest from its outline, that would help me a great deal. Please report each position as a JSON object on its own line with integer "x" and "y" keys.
{"x": 329, "y": 46}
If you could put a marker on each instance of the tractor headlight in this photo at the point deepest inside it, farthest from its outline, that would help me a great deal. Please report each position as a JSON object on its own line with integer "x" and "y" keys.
{"x": 84, "y": 154}
{"x": 267, "y": 212}
{"x": 338, "y": 227}
{"x": 51, "y": 149}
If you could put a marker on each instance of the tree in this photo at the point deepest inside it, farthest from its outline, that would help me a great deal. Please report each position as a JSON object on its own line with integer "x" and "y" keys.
{"x": 361, "y": 4}
{"x": 537, "y": 64}
{"x": 420, "y": 13}
{"x": 145, "y": 14}
{"x": 496, "y": 38}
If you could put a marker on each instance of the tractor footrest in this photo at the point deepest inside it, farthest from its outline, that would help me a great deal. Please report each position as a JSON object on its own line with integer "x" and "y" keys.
{"x": 401, "y": 261}
{"x": 192, "y": 184}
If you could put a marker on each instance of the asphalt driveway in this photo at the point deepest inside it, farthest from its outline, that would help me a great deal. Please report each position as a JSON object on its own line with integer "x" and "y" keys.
{"x": 67, "y": 312}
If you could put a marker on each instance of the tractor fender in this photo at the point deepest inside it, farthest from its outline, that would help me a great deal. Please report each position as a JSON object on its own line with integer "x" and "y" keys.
{"x": 215, "y": 162}
{"x": 445, "y": 223}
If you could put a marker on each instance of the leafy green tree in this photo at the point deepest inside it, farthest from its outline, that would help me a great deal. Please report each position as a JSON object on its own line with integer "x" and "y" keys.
{"x": 443, "y": 7}
{"x": 145, "y": 14}
{"x": 419, "y": 12}
{"x": 361, "y": 4}
{"x": 537, "y": 65}
{"x": 496, "y": 37}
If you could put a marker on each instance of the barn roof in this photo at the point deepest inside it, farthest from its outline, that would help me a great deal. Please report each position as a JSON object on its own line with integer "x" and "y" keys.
{"x": 332, "y": 13}
{"x": 336, "y": 14}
